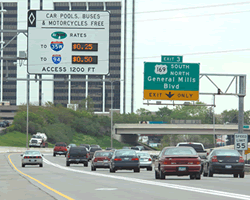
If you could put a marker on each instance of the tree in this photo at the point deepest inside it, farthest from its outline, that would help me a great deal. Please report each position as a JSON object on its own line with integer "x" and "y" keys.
{"x": 90, "y": 105}
{"x": 230, "y": 116}
{"x": 143, "y": 111}
{"x": 164, "y": 112}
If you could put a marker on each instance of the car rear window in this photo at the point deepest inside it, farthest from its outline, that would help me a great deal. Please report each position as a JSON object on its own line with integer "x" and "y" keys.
{"x": 32, "y": 152}
{"x": 125, "y": 153}
{"x": 102, "y": 154}
{"x": 197, "y": 147}
{"x": 60, "y": 145}
{"x": 143, "y": 154}
{"x": 77, "y": 150}
{"x": 180, "y": 151}
{"x": 227, "y": 153}
{"x": 95, "y": 149}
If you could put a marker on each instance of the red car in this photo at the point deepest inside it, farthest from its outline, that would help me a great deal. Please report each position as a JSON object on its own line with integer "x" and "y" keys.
{"x": 178, "y": 161}
{"x": 101, "y": 159}
{"x": 60, "y": 148}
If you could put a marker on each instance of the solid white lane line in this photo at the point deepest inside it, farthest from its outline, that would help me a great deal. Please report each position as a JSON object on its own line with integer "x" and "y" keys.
{"x": 106, "y": 189}
{"x": 154, "y": 183}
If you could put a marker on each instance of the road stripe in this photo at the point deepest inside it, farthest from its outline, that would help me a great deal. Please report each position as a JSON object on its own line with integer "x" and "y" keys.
{"x": 154, "y": 183}
{"x": 53, "y": 190}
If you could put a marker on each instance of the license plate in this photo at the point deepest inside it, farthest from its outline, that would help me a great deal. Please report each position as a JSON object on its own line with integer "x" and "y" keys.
{"x": 126, "y": 158}
{"x": 77, "y": 160}
{"x": 105, "y": 161}
{"x": 182, "y": 168}
{"x": 228, "y": 166}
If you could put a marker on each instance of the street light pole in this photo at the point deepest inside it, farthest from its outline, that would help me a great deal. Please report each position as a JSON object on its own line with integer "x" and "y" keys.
{"x": 111, "y": 113}
{"x": 2, "y": 42}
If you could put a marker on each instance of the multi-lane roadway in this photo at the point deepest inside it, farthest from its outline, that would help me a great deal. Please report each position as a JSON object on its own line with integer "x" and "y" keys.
{"x": 56, "y": 181}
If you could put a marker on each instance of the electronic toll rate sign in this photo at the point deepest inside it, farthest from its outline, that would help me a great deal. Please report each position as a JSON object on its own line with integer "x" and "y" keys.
{"x": 68, "y": 42}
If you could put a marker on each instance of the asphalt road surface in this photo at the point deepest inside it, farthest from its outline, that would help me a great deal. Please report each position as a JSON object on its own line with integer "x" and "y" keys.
{"x": 56, "y": 181}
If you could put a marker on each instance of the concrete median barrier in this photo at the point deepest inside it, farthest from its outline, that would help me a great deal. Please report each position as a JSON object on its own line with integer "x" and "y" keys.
{"x": 21, "y": 150}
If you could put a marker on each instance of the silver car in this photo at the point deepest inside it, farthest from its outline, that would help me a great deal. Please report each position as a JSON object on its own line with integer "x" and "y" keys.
{"x": 32, "y": 158}
{"x": 145, "y": 160}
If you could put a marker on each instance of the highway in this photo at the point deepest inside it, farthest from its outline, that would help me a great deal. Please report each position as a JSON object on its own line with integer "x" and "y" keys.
{"x": 56, "y": 181}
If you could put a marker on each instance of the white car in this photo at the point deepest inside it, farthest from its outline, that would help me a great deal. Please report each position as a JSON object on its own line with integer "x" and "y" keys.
{"x": 145, "y": 160}
{"x": 32, "y": 158}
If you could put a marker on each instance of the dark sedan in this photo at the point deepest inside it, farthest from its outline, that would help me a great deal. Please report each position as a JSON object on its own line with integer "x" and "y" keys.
{"x": 85, "y": 145}
{"x": 224, "y": 161}
{"x": 124, "y": 159}
{"x": 178, "y": 161}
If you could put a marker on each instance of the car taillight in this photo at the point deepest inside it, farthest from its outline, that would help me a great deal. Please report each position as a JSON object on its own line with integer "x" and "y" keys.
{"x": 39, "y": 157}
{"x": 87, "y": 155}
{"x": 95, "y": 160}
{"x": 241, "y": 160}
{"x": 25, "y": 156}
{"x": 149, "y": 159}
{"x": 135, "y": 159}
{"x": 117, "y": 159}
{"x": 207, "y": 153}
{"x": 167, "y": 162}
{"x": 214, "y": 159}
{"x": 68, "y": 155}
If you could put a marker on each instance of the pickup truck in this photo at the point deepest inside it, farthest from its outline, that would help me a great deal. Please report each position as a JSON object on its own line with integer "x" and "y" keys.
{"x": 199, "y": 148}
{"x": 60, "y": 148}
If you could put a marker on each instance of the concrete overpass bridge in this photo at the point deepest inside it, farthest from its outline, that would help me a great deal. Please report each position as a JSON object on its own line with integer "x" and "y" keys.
{"x": 128, "y": 133}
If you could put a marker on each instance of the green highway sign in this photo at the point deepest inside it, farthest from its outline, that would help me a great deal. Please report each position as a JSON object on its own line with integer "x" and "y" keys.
{"x": 171, "y": 58}
{"x": 245, "y": 126}
{"x": 171, "y": 81}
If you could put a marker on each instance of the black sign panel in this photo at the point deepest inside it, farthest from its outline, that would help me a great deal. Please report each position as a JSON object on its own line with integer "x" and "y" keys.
{"x": 31, "y": 18}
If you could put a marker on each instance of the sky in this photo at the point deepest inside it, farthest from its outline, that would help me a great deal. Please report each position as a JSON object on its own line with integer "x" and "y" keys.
{"x": 162, "y": 27}
{"x": 157, "y": 33}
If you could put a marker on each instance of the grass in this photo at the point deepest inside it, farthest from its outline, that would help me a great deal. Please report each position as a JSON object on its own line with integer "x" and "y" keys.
{"x": 17, "y": 139}
{"x": 103, "y": 141}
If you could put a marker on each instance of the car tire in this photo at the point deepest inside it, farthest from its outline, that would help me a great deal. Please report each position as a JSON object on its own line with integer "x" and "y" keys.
{"x": 156, "y": 175}
{"x": 41, "y": 165}
{"x": 162, "y": 175}
{"x": 54, "y": 155}
{"x": 242, "y": 175}
{"x": 85, "y": 164}
{"x": 210, "y": 173}
{"x": 198, "y": 176}
{"x": 137, "y": 170}
{"x": 93, "y": 168}
{"x": 67, "y": 164}
{"x": 192, "y": 176}
{"x": 149, "y": 169}
{"x": 111, "y": 170}
{"x": 23, "y": 165}
{"x": 204, "y": 173}
{"x": 236, "y": 175}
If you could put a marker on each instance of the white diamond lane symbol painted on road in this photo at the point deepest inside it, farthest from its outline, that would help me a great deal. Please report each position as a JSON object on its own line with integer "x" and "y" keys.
{"x": 32, "y": 18}
{"x": 106, "y": 189}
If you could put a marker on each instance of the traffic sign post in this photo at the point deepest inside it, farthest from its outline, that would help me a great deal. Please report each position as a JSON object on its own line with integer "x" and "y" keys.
{"x": 171, "y": 81}
{"x": 171, "y": 58}
{"x": 68, "y": 42}
{"x": 240, "y": 141}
